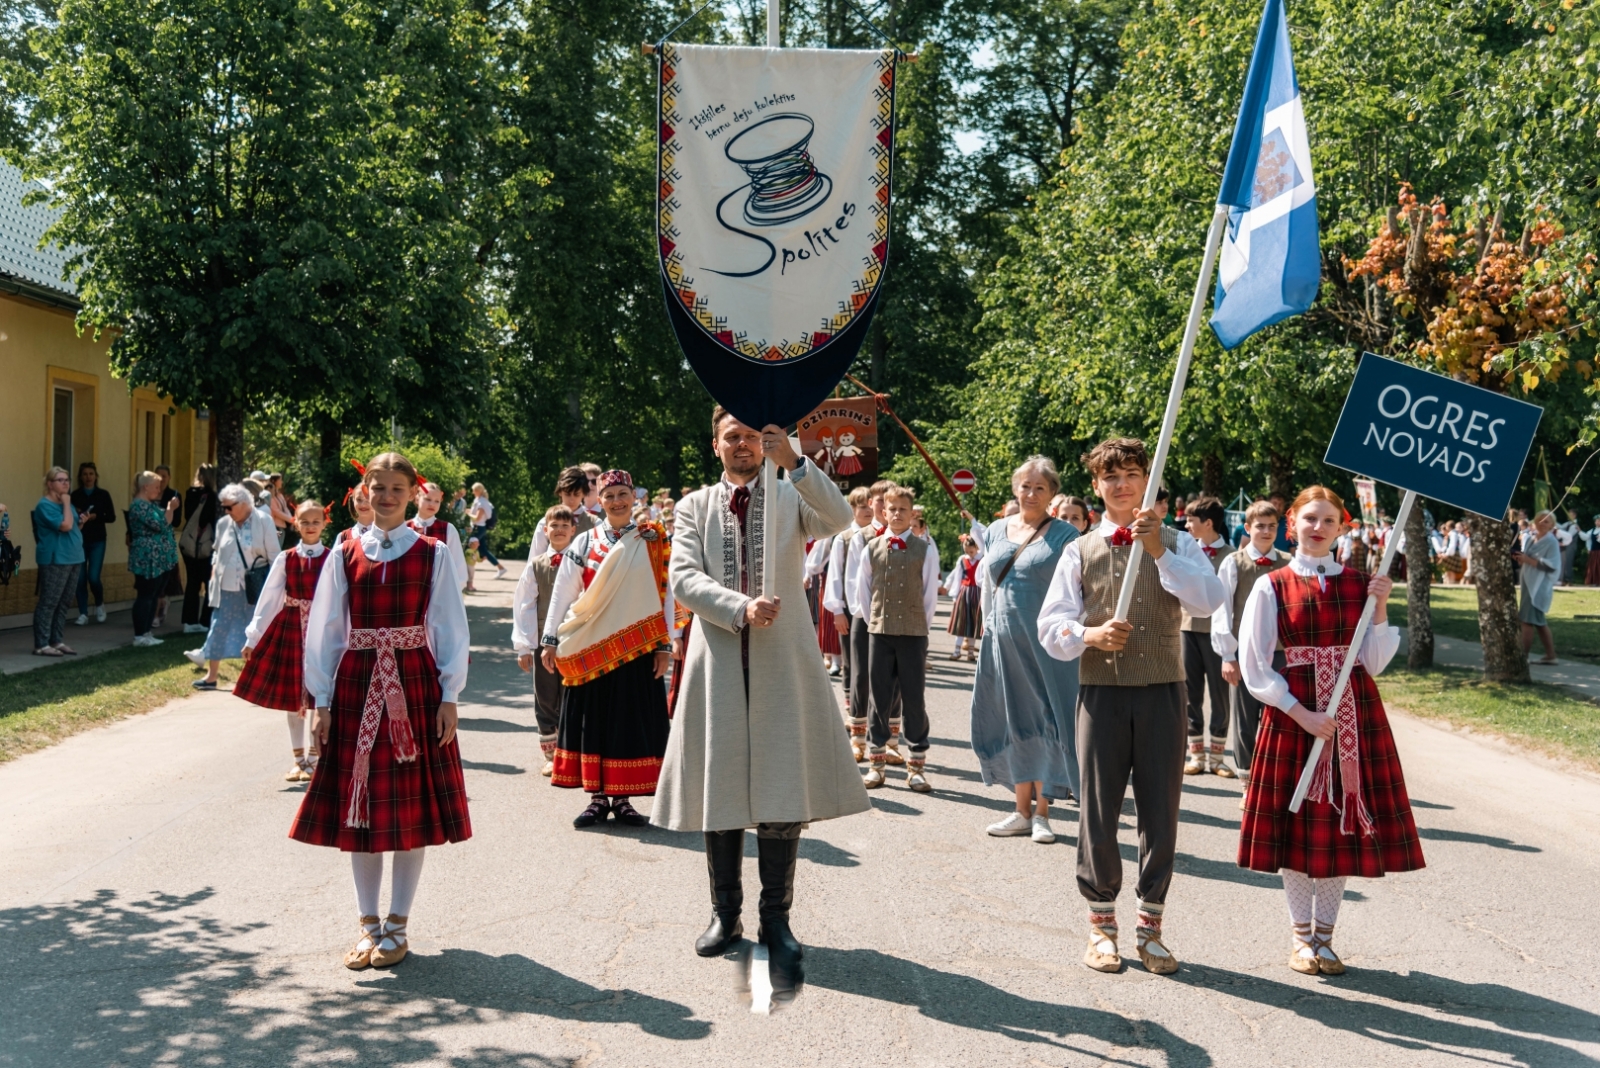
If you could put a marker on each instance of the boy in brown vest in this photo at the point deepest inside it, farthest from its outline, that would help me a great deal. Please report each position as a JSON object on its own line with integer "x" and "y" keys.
{"x": 897, "y": 587}
{"x": 1238, "y": 575}
{"x": 1201, "y": 664}
{"x": 529, "y": 606}
{"x": 1131, "y": 686}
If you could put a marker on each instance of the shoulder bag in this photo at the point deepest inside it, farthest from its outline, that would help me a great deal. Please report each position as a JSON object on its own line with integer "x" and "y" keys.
{"x": 255, "y": 575}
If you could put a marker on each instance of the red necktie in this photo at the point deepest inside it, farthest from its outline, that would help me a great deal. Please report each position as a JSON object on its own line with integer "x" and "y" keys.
{"x": 897, "y": 543}
{"x": 1209, "y": 550}
{"x": 555, "y": 559}
{"x": 739, "y": 505}
{"x": 1122, "y": 536}
{"x": 1263, "y": 561}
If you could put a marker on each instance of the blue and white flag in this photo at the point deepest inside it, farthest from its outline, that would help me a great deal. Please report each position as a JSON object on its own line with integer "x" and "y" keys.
{"x": 1270, "y": 265}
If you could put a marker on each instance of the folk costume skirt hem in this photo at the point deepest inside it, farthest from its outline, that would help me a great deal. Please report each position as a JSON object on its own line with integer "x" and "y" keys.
{"x": 274, "y": 676}
{"x": 613, "y": 732}
{"x": 966, "y": 613}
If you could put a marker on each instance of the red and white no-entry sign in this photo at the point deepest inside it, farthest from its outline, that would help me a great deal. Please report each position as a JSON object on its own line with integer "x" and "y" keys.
{"x": 964, "y": 481}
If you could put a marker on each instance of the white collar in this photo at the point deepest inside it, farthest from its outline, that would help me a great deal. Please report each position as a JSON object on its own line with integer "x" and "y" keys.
{"x": 419, "y": 522}
{"x": 1106, "y": 527}
{"x": 312, "y": 551}
{"x": 1220, "y": 543}
{"x": 1311, "y": 566}
{"x": 753, "y": 485}
{"x": 400, "y": 538}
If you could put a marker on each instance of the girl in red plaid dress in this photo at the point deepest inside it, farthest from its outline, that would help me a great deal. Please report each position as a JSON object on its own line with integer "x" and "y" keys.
{"x": 386, "y": 658}
{"x": 1357, "y": 818}
{"x": 274, "y": 642}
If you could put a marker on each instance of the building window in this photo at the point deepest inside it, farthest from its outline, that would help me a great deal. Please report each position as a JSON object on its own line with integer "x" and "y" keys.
{"x": 61, "y": 430}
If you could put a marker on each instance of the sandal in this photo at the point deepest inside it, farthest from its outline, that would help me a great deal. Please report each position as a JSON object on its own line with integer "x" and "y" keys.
{"x": 66, "y": 650}
{"x": 1328, "y": 962}
{"x": 48, "y": 650}
{"x": 360, "y": 955}
{"x": 393, "y": 946}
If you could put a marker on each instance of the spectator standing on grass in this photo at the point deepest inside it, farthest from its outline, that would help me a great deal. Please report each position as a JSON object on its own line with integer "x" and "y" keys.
{"x": 152, "y": 554}
{"x": 195, "y": 544}
{"x": 58, "y": 553}
{"x": 481, "y": 515}
{"x": 1567, "y": 539}
{"x": 1540, "y": 558}
{"x": 1591, "y": 540}
{"x": 173, "y": 587}
{"x": 245, "y": 535}
{"x": 95, "y": 511}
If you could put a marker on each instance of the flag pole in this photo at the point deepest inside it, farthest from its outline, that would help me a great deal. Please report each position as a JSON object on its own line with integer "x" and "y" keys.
{"x": 769, "y": 470}
{"x": 1180, "y": 376}
{"x": 1303, "y": 787}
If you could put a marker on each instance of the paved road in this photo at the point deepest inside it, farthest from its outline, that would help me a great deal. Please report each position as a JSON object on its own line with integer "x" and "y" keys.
{"x": 152, "y": 911}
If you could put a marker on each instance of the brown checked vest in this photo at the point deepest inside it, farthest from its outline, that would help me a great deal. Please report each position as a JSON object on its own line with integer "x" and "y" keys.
{"x": 1202, "y": 624}
{"x": 897, "y": 605}
{"x": 1153, "y": 654}
{"x": 1249, "y": 572}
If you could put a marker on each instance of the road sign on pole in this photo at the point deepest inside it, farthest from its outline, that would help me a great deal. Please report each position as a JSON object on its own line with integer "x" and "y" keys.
{"x": 963, "y": 480}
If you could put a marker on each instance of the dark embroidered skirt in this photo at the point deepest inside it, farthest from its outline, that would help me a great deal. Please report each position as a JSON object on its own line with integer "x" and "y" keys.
{"x": 966, "y": 614}
{"x": 613, "y": 732}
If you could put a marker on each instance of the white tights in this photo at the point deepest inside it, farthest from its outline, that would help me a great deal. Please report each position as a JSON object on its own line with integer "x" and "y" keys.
{"x": 297, "y": 733}
{"x": 406, "y": 872}
{"x": 1308, "y": 898}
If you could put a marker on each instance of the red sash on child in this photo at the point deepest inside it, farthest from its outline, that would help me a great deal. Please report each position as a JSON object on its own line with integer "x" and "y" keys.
{"x": 383, "y": 692}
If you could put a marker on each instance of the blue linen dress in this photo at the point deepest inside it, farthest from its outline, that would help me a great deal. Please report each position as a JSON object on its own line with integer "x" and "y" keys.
{"x": 1024, "y": 701}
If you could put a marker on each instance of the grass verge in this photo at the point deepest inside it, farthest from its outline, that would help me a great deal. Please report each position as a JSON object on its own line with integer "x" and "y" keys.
{"x": 1545, "y": 718}
{"x": 1455, "y": 615}
{"x": 40, "y": 707}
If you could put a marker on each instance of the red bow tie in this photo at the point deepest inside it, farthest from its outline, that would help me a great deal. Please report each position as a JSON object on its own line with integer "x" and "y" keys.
{"x": 1122, "y": 536}
{"x": 555, "y": 559}
{"x": 1209, "y": 550}
{"x": 897, "y": 543}
{"x": 1263, "y": 561}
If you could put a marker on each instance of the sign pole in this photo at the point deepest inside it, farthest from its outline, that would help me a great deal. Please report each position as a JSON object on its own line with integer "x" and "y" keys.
{"x": 769, "y": 470}
{"x": 1352, "y": 652}
{"x": 1180, "y": 377}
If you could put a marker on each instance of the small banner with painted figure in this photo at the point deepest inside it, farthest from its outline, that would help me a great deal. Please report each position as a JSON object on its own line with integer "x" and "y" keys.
{"x": 1367, "y": 494}
{"x": 773, "y": 216}
{"x": 841, "y": 437}
{"x": 1448, "y": 440}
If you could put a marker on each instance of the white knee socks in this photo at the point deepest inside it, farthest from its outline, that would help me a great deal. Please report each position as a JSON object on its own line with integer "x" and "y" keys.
{"x": 405, "y": 873}
{"x": 1308, "y": 898}
{"x": 297, "y": 733}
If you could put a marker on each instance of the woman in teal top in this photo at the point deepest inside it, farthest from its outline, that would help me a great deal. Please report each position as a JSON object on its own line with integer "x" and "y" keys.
{"x": 153, "y": 554}
{"x": 59, "y": 554}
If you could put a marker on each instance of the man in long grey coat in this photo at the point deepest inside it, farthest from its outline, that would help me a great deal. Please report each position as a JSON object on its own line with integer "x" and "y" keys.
{"x": 756, "y": 739}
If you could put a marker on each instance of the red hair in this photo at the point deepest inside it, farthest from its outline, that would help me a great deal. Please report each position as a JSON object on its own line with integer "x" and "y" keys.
{"x": 1310, "y": 495}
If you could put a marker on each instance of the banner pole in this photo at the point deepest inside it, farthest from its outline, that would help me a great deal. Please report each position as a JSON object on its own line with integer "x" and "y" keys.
{"x": 769, "y": 470}
{"x": 883, "y": 404}
{"x": 1303, "y": 787}
{"x": 772, "y": 24}
{"x": 1180, "y": 376}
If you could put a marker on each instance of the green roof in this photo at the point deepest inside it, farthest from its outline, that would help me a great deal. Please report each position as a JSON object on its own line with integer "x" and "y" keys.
{"x": 24, "y": 266}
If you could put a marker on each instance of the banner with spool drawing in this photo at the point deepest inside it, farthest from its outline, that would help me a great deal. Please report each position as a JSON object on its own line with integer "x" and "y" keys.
{"x": 774, "y": 171}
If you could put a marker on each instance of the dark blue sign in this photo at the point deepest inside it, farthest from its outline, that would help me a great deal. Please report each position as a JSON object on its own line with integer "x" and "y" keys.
{"x": 1445, "y": 439}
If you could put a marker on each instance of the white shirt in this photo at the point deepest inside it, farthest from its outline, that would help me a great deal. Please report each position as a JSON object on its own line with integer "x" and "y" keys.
{"x": 1258, "y": 636}
{"x": 568, "y": 584}
{"x": 817, "y": 558}
{"x": 273, "y": 594}
{"x": 452, "y": 539}
{"x": 484, "y": 509}
{"x": 930, "y": 578}
{"x": 852, "y": 565}
{"x": 525, "y": 607}
{"x": 1185, "y": 573}
{"x": 833, "y": 594}
{"x": 328, "y": 632}
{"x": 1223, "y": 643}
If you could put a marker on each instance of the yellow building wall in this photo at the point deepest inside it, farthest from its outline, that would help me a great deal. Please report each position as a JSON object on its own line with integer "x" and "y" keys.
{"x": 45, "y": 368}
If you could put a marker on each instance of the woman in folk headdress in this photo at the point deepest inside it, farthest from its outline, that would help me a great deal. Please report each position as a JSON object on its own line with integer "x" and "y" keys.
{"x": 386, "y": 659}
{"x": 1357, "y": 819}
{"x": 609, "y": 633}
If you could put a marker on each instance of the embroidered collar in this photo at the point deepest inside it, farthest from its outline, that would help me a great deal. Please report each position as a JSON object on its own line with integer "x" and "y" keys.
{"x": 400, "y": 539}
{"x": 1311, "y": 566}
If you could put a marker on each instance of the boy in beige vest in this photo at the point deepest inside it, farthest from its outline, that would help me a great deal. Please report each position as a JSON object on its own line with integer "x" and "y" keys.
{"x": 528, "y": 608}
{"x": 1131, "y": 687}
{"x": 1202, "y": 666}
{"x": 1238, "y": 575}
{"x": 897, "y": 587}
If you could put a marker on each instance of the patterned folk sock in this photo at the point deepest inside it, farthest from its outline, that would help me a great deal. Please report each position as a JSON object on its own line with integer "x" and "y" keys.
{"x": 878, "y": 755}
{"x": 1149, "y": 919}
{"x": 1300, "y": 889}
{"x": 1103, "y": 915}
{"x": 1329, "y": 896}
{"x": 1197, "y": 744}
{"x": 547, "y": 745}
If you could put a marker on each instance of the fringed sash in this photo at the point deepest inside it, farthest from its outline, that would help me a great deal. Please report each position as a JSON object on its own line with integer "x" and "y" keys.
{"x": 1326, "y": 661}
{"x": 384, "y": 692}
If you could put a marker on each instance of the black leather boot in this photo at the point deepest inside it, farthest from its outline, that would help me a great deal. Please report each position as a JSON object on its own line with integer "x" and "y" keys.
{"x": 724, "y": 863}
{"x": 776, "y": 861}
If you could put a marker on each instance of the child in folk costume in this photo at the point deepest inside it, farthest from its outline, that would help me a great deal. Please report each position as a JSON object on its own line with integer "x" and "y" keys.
{"x": 1131, "y": 718}
{"x": 1238, "y": 575}
{"x": 428, "y": 521}
{"x": 386, "y": 659}
{"x": 610, "y": 631}
{"x": 528, "y": 610}
{"x": 966, "y": 613}
{"x": 274, "y": 642}
{"x": 897, "y": 585}
{"x": 818, "y": 553}
{"x": 1357, "y": 817}
{"x": 1204, "y": 518}
{"x": 572, "y": 485}
{"x": 860, "y": 694}
{"x": 359, "y": 502}
{"x": 836, "y": 602}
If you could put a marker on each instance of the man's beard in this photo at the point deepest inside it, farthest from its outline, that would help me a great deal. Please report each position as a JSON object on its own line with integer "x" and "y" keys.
{"x": 741, "y": 465}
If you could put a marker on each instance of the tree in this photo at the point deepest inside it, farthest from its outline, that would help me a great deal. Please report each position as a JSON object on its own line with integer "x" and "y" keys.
{"x": 267, "y": 199}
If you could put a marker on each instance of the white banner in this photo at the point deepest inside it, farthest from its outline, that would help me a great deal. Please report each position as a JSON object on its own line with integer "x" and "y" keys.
{"x": 773, "y": 210}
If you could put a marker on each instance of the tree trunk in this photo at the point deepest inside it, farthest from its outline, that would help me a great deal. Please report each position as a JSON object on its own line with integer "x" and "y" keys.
{"x": 1496, "y": 575}
{"x": 1419, "y": 585}
{"x": 1211, "y": 474}
{"x": 230, "y": 444}
{"x": 1280, "y": 475}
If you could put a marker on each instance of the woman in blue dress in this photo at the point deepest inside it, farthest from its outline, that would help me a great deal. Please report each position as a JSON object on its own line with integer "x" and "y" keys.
{"x": 1024, "y": 701}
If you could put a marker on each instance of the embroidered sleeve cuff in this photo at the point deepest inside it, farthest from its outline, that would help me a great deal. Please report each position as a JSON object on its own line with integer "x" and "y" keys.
{"x": 549, "y": 641}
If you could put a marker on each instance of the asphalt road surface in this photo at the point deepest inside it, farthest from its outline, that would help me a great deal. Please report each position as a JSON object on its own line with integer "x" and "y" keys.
{"x": 153, "y": 912}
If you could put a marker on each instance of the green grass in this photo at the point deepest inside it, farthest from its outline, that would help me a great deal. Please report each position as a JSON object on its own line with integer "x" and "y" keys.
{"x": 40, "y": 707}
{"x": 1455, "y": 615}
{"x": 1543, "y": 717}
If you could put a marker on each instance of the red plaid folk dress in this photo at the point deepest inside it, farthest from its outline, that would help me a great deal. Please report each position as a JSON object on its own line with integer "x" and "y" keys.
{"x": 1270, "y": 836}
{"x": 420, "y": 802}
{"x": 274, "y": 676}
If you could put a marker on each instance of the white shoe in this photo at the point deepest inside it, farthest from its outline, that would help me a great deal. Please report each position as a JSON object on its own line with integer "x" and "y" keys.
{"x": 100, "y": 613}
{"x": 81, "y": 621}
{"x": 194, "y": 628}
{"x": 195, "y": 657}
{"x": 146, "y": 641}
{"x": 1013, "y": 826}
{"x": 1041, "y": 830}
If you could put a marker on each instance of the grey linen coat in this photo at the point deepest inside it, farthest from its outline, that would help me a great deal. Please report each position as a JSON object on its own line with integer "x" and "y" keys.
{"x": 781, "y": 754}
